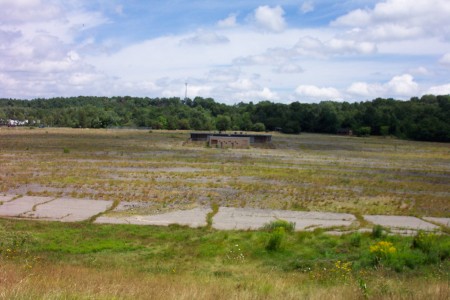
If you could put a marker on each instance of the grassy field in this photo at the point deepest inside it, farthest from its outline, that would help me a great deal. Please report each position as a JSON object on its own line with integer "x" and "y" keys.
{"x": 158, "y": 171}
{"x": 51, "y": 260}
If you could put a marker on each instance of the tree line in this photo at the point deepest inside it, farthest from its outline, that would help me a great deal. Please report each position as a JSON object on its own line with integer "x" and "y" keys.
{"x": 426, "y": 118}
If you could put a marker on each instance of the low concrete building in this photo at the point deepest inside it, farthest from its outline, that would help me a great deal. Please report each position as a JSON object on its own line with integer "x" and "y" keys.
{"x": 253, "y": 138}
{"x": 229, "y": 142}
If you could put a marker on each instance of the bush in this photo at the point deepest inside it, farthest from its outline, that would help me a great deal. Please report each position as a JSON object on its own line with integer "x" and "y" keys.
{"x": 384, "y": 130}
{"x": 425, "y": 242}
{"x": 272, "y": 226}
{"x": 14, "y": 246}
{"x": 382, "y": 251}
{"x": 276, "y": 239}
{"x": 377, "y": 231}
{"x": 66, "y": 150}
{"x": 364, "y": 131}
{"x": 355, "y": 239}
{"x": 430, "y": 244}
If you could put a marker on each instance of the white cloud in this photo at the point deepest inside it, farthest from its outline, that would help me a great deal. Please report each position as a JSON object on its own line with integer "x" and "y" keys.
{"x": 391, "y": 20}
{"x": 306, "y": 7}
{"x": 314, "y": 47}
{"x": 269, "y": 18}
{"x": 243, "y": 84}
{"x": 445, "y": 60}
{"x": 82, "y": 78}
{"x": 205, "y": 38}
{"x": 228, "y": 22}
{"x": 439, "y": 90}
{"x": 258, "y": 95}
{"x": 321, "y": 93}
{"x": 22, "y": 11}
{"x": 223, "y": 74}
{"x": 402, "y": 85}
{"x": 364, "y": 89}
{"x": 420, "y": 71}
{"x": 38, "y": 39}
{"x": 356, "y": 18}
{"x": 289, "y": 69}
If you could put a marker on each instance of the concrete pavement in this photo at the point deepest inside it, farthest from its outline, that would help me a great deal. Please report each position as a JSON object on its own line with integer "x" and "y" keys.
{"x": 227, "y": 218}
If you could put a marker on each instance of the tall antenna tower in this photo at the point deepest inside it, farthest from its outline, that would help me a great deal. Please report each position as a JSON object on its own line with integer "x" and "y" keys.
{"x": 185, "y": 91}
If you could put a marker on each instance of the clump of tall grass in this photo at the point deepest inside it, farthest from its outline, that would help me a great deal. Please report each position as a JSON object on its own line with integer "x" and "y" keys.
{"x": 276, "y": 239}
{"x": 272, "y": 226}
{"x": 378, "y": 231}
{"x": 278, "y": 229}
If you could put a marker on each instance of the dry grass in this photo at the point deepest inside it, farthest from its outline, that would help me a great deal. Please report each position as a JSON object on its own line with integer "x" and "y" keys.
{"x": 74, "y": 282}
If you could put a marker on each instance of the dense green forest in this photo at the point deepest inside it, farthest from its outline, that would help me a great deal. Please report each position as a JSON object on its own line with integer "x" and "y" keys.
{"x": 426, "y": 118}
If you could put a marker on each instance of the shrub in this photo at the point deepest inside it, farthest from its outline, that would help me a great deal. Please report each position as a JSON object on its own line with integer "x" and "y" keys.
{"x": 14, "y": 246}
{"x": 377, "y": 231}
{"x": 355, "y": 239}
{"x": 425, "y": 242}
{"x": 66, "y": 150}
{"x": 382, "y": 251}
{"x": 384, "y": 130}
{"x": 431, "y": 245}
{"x": 272, "y": 226}
{"x": 364, "y": 131}
{"x": 276, "y": 239}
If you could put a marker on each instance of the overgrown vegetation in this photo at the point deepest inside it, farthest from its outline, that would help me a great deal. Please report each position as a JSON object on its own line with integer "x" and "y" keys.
{"x": 308, "y": 263}
{"x": 158, "y": 171}
{"x": 424, "y": 119}
{"x": 286, "y": 225}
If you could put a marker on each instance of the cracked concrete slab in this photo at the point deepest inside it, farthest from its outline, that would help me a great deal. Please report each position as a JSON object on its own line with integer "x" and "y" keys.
{"x": 6, "y": 198}
{"x": 20, "y": 206}
{"x": 69, "y": 210}
{"x": 195, "y": 217}
{"x": 443, "y": 221}
{"x": 401, "y": 222}
{"x": 248, "y": 218}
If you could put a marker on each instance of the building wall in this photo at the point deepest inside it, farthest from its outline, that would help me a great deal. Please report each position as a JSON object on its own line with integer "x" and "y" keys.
{"x": 229, "y": 142}
{"x": 253, "y": 138}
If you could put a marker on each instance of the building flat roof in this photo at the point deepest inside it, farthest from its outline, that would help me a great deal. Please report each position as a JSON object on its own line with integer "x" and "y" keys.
{"x": 231, "y": 134}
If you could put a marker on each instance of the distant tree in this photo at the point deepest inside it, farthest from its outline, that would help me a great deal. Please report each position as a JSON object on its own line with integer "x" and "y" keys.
{"x": 184, "y": 124}
{"x": 426, "y": 118}
{"x": 223, "y": 123}
{"x": 384, "y": 130}
{"x": 258, "y": 127}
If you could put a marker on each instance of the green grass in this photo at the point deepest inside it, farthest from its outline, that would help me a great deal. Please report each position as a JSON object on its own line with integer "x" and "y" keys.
{"x": 321, "y": 260}
{"x": 178, "y": 243}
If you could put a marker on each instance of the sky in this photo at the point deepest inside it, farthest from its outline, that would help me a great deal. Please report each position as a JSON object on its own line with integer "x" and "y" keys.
{"x": 232, "y": 51}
